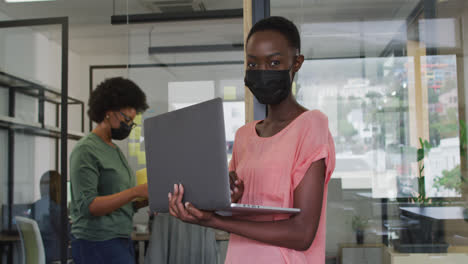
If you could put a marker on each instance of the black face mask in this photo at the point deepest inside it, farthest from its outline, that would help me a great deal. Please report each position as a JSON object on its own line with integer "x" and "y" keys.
{"x": 269, "y": 87}
{"x": 122, "y": 132}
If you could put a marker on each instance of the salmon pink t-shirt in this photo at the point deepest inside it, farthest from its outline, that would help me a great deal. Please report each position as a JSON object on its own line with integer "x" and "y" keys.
{"x": 272, "y": 168}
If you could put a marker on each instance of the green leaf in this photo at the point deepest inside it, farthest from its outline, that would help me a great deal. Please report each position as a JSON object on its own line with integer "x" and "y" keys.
{"x": 463, "y": 130}
{"x": 420, "y": 154}
{"x": 463, "y": 139}
{"x": 427, "y": 146}
{"x": 451, "y": 179}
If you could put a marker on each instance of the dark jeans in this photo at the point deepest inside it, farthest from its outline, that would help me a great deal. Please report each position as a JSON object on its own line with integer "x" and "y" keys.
{"x": 117, "y": 250}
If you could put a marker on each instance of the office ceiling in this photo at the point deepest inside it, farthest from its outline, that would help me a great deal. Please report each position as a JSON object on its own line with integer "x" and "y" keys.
{"x": 92, "y": 33}
{"x": 352, "y": 28}
{"x": 99, "y": 11}
{"x": 329, "y": 28}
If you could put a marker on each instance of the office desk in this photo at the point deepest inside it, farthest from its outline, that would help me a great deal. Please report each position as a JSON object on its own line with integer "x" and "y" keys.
{"x": 448, "y": 219}
{"x": 393, "y": 257}
{"x": 7, "y": 241}
{"x": 350, "y": 253}
{"x": 449, "y": 213}
{"x": 141, "y": 238}
{"x": 428, "y": 235}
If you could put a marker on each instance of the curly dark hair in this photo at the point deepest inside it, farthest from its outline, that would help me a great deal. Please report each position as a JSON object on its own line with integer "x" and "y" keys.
{"x": 114, "y": 94}
{"x": 281, "y": 25}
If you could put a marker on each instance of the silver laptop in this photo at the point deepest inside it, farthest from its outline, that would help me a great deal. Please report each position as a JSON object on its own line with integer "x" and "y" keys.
{"x": 188, "y": 146}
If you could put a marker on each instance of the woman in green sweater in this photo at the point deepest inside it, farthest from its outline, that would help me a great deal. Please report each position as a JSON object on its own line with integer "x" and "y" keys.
{"x": 102, "y": 183}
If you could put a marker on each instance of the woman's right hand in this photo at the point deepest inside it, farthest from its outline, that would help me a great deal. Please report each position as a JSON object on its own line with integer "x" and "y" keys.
{"x": 237, "y": 187}
{"x": 103, "y": 205}
{"x": 141, "y": 190}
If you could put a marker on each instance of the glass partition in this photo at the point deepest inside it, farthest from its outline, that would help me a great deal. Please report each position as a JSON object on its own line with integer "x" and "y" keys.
{"x": 390, "y": 77}
{"x": 31, "y": 135}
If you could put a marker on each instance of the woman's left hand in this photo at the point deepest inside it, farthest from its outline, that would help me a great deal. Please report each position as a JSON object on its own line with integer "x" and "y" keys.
{"x": 187, "y": 213}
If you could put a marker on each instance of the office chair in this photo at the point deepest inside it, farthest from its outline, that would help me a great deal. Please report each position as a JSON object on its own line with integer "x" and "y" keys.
{"x": 31, "y": 241}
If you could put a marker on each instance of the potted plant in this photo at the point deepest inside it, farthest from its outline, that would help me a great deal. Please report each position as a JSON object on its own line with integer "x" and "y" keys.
{"x": 359, "y": 224}
{"x": 420, "y": 198}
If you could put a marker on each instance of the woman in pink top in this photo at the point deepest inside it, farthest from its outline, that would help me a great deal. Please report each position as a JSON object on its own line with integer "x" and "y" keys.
{"x": 285, "y": 160}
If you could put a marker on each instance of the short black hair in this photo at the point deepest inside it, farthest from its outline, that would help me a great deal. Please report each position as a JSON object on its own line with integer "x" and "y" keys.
{"x": 280, "y": 25}
{"x": 114, "y": 94}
